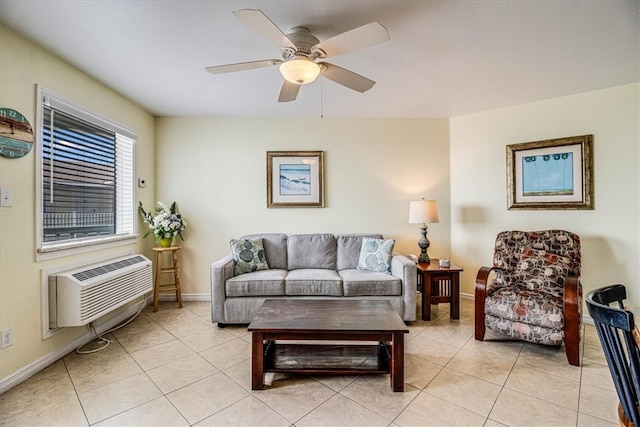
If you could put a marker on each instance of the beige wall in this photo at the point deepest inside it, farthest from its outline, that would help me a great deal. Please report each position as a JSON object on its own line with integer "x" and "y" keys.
{"x": 22, "y": 66}
{"x": 216, "y": 170}
{"x": 610, "y": 233}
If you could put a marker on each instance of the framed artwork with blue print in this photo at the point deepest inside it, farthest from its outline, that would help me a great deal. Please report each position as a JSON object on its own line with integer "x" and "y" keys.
{"x": 295, "y": 179}
{"x": 551, "y": 174}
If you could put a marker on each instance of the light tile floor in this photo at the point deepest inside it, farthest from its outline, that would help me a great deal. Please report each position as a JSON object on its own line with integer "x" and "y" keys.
{"x": 176, "y": 368}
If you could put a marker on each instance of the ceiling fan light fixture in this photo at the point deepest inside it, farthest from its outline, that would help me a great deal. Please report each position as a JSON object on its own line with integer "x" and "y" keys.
{"x": 300, "y": 70}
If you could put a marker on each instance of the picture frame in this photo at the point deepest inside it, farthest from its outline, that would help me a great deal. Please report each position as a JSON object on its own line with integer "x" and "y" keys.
{"x": 295, "y": 179}
{"x": 552, "y": 174}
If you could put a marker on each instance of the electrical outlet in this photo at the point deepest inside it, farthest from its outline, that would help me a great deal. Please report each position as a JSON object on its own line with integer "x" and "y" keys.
{"x": 7, "y": 338}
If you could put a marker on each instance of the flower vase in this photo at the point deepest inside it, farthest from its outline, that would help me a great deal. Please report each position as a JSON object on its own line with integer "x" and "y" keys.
{"x": 165, "y": 242}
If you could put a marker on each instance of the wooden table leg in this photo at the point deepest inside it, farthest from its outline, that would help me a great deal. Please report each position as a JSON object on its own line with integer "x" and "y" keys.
{"x": 257, "y": 361}
{"x": 156, "y": 285}
{"x": 397, "y": 362}
{"x": 455, "y": 296}
{"x": 426, "y": 296}
{"x": 176, "y": 279}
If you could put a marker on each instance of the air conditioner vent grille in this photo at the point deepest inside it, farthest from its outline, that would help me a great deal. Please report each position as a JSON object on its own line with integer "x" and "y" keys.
{"x": 80, "y": 296}
{"x": 107, "y": 268}
{"x": 97, "y": 300}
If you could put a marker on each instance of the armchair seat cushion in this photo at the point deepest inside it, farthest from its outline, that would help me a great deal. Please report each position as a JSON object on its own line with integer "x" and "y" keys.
{"x": 525, "y": 331}
{"x": 531, "y": 307}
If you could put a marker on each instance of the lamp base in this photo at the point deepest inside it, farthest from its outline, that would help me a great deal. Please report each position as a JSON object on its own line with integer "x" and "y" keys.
{"x": 424, "y": 257}
{"x": 423, "y": 243}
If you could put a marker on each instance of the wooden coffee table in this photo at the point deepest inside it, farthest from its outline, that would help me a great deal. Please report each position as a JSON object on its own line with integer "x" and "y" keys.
{"x": 320, "y": 320}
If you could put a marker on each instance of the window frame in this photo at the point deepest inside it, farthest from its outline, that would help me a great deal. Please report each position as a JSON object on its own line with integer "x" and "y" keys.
{"x": 46, "y": 250}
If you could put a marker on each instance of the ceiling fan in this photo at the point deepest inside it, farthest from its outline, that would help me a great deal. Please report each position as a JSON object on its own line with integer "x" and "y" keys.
{"x": 301, "y": 50}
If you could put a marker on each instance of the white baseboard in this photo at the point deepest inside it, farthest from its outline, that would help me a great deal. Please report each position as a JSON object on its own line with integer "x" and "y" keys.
{"x": 57, "y": 354}
{"x": 185, "y": 297}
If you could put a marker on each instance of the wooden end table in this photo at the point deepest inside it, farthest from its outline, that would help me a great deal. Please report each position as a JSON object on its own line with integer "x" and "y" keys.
{"x": 439, "y": 284}
{"x": 327, "y": 320}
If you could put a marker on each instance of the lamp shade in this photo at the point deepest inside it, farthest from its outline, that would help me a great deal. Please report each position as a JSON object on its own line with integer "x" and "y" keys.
{"x": 423, "y": 212}
{"x": 300, "y": 70}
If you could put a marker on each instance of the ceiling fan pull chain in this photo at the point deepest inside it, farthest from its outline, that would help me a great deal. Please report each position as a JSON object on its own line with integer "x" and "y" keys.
{"x": 322, "y": 98}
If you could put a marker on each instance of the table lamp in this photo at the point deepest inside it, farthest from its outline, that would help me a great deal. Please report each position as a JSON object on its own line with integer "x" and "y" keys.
{"x": 423, "y": 212}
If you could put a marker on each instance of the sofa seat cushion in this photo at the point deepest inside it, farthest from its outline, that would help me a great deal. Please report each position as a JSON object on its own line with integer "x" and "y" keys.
{"x": 312, "y": 282}
{"x": 258, "y": 283}
{"x": 522, "y": 305}
{"x": 369, "y": 283}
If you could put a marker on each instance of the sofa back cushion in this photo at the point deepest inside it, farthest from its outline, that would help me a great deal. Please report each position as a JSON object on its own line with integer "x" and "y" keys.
{"x": 349, "y": 246}
{"x": 311, "y": 251}
{"x": 275, "y": 248}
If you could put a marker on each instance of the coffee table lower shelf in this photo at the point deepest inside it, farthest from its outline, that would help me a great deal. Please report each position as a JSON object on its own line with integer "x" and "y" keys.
{"x": 326, "y": 359}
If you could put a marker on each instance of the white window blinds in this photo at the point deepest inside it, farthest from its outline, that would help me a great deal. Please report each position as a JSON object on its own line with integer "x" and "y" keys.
{"x": 87, "y": 177}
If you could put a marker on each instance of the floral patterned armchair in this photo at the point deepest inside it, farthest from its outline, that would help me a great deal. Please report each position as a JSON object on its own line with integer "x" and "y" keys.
{"x": 535, "y": 293}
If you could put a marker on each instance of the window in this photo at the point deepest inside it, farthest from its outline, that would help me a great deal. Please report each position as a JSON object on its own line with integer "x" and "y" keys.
{"x": 86, "y": 189}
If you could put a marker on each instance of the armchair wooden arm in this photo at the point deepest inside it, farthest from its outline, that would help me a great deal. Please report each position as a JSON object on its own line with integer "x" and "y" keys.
{"x": 572, "y": 301}
{"x": 480, "y": 294}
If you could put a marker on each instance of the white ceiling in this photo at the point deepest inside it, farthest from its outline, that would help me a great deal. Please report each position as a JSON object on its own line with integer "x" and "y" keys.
{"x": 445, "y": 57}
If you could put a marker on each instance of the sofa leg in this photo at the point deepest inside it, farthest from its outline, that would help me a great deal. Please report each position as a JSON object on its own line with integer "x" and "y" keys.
{"x": 222, "y": 325}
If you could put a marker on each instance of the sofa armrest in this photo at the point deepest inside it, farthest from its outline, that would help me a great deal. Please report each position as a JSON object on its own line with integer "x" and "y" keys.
{"x": 480, "y": 295}
{"x": 572, "y": 302}
{"x": 405, "y": 269}
{"x": 221, "y": 271}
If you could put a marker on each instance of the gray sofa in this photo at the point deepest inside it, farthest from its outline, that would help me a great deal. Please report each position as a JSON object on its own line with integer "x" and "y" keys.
{"x": 309, "y": 266}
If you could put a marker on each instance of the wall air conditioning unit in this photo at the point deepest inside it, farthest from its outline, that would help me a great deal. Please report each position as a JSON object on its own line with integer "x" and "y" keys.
{"x": 80, "y": 296}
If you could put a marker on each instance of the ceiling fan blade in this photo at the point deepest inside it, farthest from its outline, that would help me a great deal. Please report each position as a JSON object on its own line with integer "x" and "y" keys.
{"x": 345, "y": 77}
{"x": 358, "y": 38}
{"x": 241, "y": 66}
{"x": 289, "y": 91}
{"x": 261, "y": 24}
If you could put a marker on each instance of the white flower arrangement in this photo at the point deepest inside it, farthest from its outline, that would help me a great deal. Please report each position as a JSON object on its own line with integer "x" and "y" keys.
{"x": 166, "y": 223}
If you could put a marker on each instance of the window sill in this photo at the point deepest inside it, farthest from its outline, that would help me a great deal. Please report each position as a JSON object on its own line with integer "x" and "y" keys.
{"x": 73, "y": 248}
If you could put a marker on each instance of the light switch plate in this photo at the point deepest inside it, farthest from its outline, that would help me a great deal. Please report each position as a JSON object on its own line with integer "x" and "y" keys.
{"x": 5, "y": 197}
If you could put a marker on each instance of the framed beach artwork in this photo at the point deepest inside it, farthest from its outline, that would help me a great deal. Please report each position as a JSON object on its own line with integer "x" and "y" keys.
{"x": 295, "y": 179}
{"x": 551, "y": 174}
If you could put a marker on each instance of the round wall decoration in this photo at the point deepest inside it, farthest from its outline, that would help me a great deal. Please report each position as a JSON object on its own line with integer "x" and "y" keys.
{"x": 16, "y": 134}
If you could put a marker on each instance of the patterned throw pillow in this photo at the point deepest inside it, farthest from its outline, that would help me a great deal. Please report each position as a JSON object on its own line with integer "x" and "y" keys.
{"x": 543, "y": 271}
{"x": 375, "y": 255}
{"x": 248, "y": 255}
